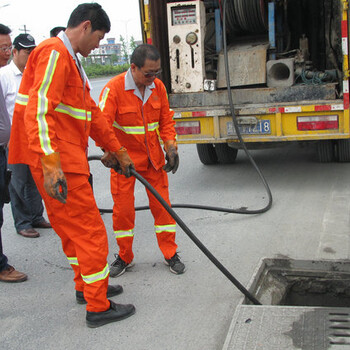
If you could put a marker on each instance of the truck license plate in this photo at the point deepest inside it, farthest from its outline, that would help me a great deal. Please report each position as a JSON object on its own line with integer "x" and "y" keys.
{"x": 261, "y": 127}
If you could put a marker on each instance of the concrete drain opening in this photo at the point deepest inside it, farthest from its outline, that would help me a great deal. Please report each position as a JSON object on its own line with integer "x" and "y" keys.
{"x": 302, "y": 283}
{"x": 305, "y": 305}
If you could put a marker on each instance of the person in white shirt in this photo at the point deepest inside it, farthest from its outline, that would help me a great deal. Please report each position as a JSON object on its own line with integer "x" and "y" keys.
{"x": 26, "y": 202}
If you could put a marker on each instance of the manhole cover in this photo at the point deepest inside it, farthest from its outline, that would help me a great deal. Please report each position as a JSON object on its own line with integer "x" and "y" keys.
{"x": 289, "y": 328}
{"x": 306, "y": 305}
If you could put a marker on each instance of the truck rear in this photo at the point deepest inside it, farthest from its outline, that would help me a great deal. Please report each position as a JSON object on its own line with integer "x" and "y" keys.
{"x": 284, "y": 62}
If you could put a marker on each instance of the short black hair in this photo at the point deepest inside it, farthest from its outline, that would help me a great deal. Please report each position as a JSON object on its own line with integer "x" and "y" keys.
{"x": 92, "y": 12}
{"x": 143, "y": 52}
{"x": 54, "y": 31}
{"x": 4, "y": 30}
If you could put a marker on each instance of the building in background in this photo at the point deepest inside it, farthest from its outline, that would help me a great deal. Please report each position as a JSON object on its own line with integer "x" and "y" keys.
{"x": 111, "y": 53}
{"x": 111, "y": 47}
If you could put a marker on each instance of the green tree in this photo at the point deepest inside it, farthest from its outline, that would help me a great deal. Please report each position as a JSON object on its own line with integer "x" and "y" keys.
{"x": 124, "y": 49}
{"x": 133, "y": 44}
{"x": 114, "y": 58}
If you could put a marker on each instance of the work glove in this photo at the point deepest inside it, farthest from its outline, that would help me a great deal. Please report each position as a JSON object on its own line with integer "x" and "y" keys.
{"x": 109, "y": 160}
{"x": 171, "y": 156}
{"x": 119, "y": 161}
{"x": 55, "y": 183}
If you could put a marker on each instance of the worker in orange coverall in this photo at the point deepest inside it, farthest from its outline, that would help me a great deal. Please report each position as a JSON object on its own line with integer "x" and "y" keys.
{"x": 53, "y": 119}
{"x": 136, "y": 104}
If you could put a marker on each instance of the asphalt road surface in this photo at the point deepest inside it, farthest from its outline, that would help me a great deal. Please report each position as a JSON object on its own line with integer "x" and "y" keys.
{"x": 309, "y": 219}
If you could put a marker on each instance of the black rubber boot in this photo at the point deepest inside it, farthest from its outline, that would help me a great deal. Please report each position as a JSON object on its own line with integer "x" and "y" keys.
{"x": 111, "y": 292}
{"x": 115, "y": 313}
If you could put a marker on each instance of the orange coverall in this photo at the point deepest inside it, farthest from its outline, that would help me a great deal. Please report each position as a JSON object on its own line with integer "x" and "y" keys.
{"x": 136, "y": 124}
{"x": 55, "y": 113}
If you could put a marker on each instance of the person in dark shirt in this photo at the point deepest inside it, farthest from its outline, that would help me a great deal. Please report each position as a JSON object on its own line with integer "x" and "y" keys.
{"x": 7, "y": 272}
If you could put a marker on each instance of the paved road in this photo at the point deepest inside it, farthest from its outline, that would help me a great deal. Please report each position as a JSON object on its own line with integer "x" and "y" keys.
{"x": 309, "y": 220}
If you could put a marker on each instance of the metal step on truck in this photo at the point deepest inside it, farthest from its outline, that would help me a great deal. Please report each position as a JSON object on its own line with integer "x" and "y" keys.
{"x": 288, "y": 73}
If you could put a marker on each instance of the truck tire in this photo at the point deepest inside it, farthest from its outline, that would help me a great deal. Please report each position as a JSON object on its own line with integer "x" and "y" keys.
{"x": 225, "y": 154}
{"x": 206, "y": 153}
{"x": 343, "y": 150}
{"x": 325, "y": 151}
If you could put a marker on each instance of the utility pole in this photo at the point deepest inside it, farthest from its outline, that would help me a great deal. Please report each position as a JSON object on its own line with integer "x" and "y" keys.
{"x": 126, "y": 22}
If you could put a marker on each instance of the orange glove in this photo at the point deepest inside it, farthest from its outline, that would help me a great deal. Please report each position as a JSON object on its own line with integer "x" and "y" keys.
{"x": 172, "y": 157}
{"x": 55, "y": 183}
{"x": 119, "y": 161}
{"x": 109, "y": 160}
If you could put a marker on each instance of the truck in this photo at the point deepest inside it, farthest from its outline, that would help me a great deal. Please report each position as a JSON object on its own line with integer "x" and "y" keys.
{"x": 283, "y": 63}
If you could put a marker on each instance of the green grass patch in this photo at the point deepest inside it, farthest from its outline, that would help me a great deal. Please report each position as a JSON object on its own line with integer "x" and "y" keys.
{"x": 98, "y": 70}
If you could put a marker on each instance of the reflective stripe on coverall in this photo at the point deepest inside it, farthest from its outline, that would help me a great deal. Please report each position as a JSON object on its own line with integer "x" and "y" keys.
{"x": 122, "y": 190}
{"x": 138, "y": 124}
{"x": 84, "y": 245}
{"x": 54, "y": 112}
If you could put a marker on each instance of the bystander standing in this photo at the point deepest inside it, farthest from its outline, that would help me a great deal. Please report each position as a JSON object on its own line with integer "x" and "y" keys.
{"x": 7, "y": 272}
{"x": 26, "y": 202}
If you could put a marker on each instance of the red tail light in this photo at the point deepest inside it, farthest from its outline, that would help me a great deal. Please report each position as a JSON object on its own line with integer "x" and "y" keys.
{"x": 188, "y": 128}
{"x": 323, "y": 122}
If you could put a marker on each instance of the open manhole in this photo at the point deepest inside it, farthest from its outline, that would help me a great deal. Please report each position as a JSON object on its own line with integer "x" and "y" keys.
{"x": 302, "y": 283}
{"x": 305, "y": 305}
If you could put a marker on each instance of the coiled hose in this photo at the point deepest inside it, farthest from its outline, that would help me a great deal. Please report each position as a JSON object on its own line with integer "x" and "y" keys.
{"x": 189, "y": 233}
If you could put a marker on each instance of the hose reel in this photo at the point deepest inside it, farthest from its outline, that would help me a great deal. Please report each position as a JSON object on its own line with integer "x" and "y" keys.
{"x": 247, "y": 16}
{"x": 243, "y": 15}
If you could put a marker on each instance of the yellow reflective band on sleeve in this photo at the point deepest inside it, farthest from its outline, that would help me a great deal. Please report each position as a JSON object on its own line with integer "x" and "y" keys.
{"x": 130, "y": 130}
{"x": 96, "y": 276}
{"x": 44, "y": 138}
{"x": 136, "y": 130}
{"x": 22, "y": 99}
{"x": 76, "y": 113}
{"x": 153, "y": 126}
{"x": 73, "y": 261}
{"x": 123, "y": 233}
{"x": 165, "y": 228}
{"x": 102, "y": 103}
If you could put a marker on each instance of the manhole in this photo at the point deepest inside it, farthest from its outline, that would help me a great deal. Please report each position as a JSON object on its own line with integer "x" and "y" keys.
{"x": 302, "y": 283}
{"x": 306, "y": 305}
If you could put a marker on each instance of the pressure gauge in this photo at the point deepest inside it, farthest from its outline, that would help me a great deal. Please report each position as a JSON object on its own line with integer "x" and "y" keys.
{"x": 191, "y": 38}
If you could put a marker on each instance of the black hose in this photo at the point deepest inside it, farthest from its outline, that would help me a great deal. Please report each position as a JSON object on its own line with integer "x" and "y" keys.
{"x": 179, "y": 221}
{"x": 196, "y": 241}
{"x": 200, "y": 207}
{"x": 189, "y": 233}
{"x": 235, "y": 123}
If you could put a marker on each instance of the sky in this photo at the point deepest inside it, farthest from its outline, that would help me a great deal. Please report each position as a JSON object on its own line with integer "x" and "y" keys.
{"x": 40, "y": 16}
